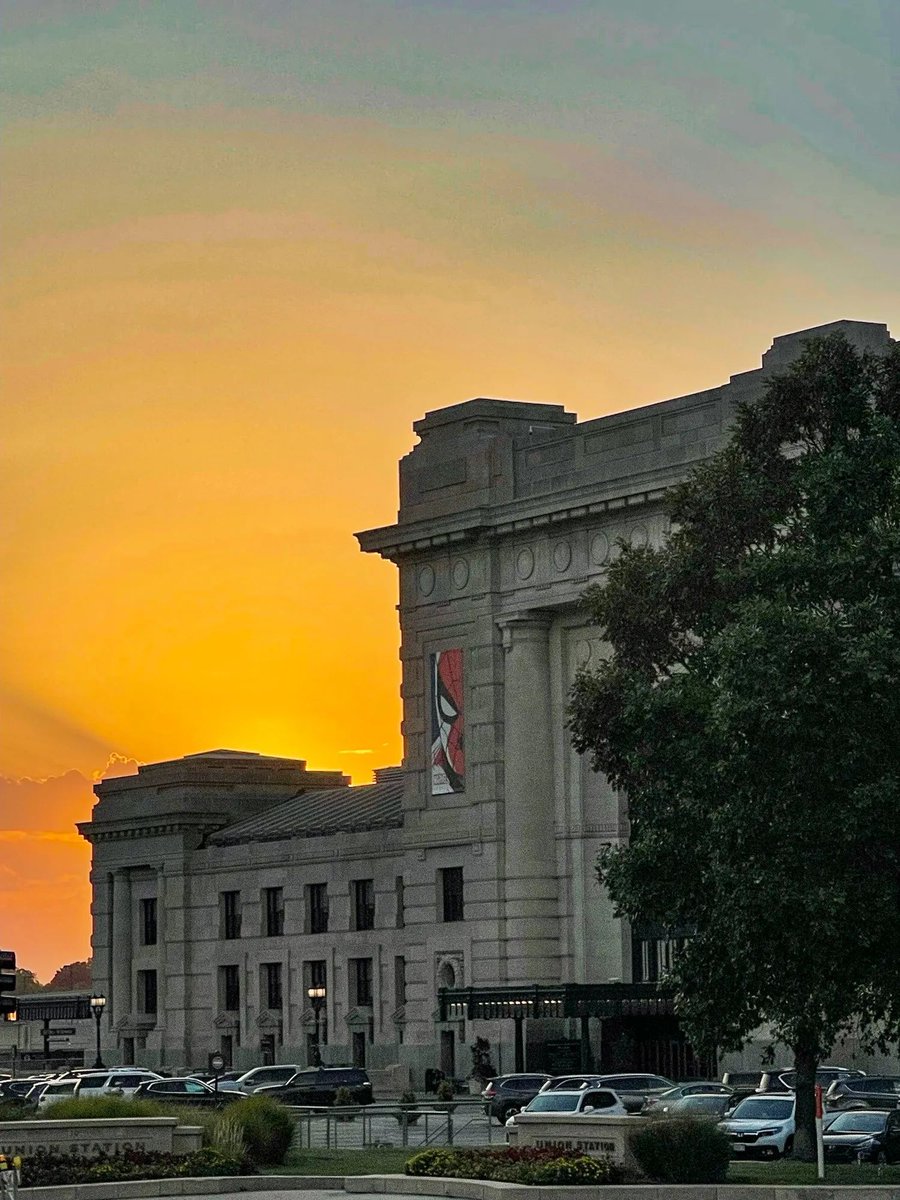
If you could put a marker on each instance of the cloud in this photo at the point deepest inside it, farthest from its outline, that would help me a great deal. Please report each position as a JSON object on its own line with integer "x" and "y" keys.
{"x": 116, "y": 766}
{"x": 356, "y": 751}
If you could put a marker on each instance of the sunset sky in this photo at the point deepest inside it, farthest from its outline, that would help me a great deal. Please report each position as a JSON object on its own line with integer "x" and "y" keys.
{"x": 246, "y": 243}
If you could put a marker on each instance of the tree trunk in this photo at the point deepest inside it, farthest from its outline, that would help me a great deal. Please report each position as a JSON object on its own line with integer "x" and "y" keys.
{"x": 805, "y": 1064}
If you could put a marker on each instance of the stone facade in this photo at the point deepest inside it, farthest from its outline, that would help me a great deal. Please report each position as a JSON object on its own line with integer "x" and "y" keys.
{"x": 508, "y": 511}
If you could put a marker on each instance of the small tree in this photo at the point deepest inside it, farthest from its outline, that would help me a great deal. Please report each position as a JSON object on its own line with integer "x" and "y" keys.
{"x": 482, "y": 1067}
{"x": 750, "y": 709}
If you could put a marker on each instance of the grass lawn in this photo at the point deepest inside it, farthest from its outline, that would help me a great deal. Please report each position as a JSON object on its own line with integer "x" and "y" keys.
{"x": 390, "y": 1161}
{"x": 387, "y": 1161}
{"x": 793, "y": 1174}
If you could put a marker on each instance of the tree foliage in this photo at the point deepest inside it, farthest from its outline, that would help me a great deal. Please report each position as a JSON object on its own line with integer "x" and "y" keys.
{"x": 73, "y": 977}
{"x": 751, "y": 711}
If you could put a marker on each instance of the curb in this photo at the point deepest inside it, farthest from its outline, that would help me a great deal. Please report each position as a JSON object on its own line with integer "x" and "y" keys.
{"x": 458, "y": 1189}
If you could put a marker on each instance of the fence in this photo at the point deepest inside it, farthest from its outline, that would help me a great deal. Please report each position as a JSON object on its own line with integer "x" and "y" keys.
{"x": 459, "y": 1123}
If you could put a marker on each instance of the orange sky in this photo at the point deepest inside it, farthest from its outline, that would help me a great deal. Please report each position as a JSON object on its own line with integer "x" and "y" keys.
{"x": 246, "y": 246}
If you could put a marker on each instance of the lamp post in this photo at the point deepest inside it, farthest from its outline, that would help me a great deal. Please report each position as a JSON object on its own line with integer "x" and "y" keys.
{"x": 317, "y": 995}
{"x": 98, "y": 1003}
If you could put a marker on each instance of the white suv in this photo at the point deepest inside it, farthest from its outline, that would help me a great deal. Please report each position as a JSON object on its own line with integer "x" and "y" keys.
{"x": 124, "y": 1082}
{"x": 762, "y": 1126}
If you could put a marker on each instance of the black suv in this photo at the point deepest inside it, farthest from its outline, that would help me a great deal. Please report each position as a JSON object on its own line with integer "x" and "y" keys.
{"x": 877, "y": 1091}
{"x": 508, "y": 1094}
{"x": 319, "y": 1085}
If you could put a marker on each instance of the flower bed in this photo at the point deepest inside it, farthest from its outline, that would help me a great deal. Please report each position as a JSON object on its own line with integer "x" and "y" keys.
{"x": 46, "y": 1170}
{"x": 526, "y": 1165}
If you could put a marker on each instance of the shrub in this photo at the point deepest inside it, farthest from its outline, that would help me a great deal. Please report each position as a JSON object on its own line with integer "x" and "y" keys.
{"x": 343, "y": 1098}
{"x": 529, "y": 1165}
{"x": 681, "y": 1150}
{"x": 408, "y": 1097}
{"x": 445, "y": 1090}
{"x": 227, "y": 1137}
{"x": 267, "y": 1128}
{"x": 10, "y": 1110}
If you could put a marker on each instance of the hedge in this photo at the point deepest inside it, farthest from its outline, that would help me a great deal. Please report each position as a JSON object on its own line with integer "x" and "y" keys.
{"x": 681, "y": 1150}
{"x": 47, "y": 1170}
{"x": 527, "y": 1164}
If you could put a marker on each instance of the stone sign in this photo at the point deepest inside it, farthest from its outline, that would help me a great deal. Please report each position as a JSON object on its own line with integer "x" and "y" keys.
{"x": 89, "y": 1139}
{"x": 598, "y": 1137}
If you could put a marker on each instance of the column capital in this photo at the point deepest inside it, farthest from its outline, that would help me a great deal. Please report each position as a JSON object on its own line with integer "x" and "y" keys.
{"x": 530, "y": 626}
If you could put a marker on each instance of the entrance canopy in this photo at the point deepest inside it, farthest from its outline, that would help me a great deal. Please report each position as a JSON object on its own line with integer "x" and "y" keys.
{"x": 555, "y": 1000}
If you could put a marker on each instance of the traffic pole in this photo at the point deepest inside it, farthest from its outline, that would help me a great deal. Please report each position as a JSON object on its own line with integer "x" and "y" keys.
{"x": 820, "y": 1144}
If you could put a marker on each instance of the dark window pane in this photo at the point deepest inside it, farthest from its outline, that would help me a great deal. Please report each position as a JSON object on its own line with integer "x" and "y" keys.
{"x": 363, "y": 897}
{"x": 230, "y": 915}
{"x": 361, "y": 978}
{"x": 272, "y": 985}
{"x": 230, "y": 988}
{"x": 316, "y": 908}
{"x": 148, "y": 922}
{"x": 273, "y": 912}
{"x": 147, "y": 992}
{"x": 399, "y": 980}
{"x": 452, "y": 893}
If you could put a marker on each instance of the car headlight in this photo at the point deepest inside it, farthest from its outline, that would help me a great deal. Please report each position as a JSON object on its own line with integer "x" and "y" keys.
{"x": 769, "y": 1132}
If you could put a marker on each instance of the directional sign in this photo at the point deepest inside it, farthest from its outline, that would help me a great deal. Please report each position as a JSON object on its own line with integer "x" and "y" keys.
{"x": 62, "y": 1031}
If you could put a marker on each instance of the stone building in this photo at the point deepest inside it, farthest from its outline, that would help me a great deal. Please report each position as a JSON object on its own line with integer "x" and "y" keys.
{"x": 458, "y": 893}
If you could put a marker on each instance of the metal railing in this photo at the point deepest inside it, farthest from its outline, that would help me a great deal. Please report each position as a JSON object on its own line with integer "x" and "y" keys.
{"x": 416, "y": 1125}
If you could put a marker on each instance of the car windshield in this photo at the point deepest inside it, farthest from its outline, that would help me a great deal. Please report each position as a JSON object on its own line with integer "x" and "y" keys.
{"x": 758, "y": 1109}
{"x": 553, "y": 1102}
{"x": 858, "y": 1122}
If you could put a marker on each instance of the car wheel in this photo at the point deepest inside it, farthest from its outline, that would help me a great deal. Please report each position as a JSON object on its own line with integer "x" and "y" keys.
{"x": 788, "y": 1147}
{"x": 510, "y": 1111}
{"x": 881, "y": 1159}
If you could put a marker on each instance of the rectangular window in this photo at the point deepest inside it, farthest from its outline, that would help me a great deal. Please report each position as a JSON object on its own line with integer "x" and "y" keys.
{"x": 273, "y": 912}
{"x": 146, "y": 990}
{"x": 230, "y": 915}
{"x": 317, "y": 908}
{"x": 363, "y": 903}
{"x": 316, "y": 973}
{"x": 148, "y": 922}
{"x": 271, "y": 980}
{"x": 361, "y": 981}
{"x": 400, "y": 915}
{"x": 452, "y": 893}
{"x": 230, "y": 988}
{"x": 399, "y": 981}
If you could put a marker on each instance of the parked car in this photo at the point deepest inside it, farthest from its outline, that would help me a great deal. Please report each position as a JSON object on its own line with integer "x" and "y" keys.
{"x": 704, "y": 1106}
{"x": 45, "y": 1095}
{"x": 508, "y": 1094}
{"x": 784, "y": 1080}
{"x": 762, "y": 1126}
{"x": 113, "y": 1083}
{"x": 876, "y": 1091}
{"x": 697, "y": 1087}
{"x": 266, "y": 1076}
{"x": 636, "y": 1090}
{"x": 868, "y": 1135}
{"x": 186, "y": 1090}
{"x": 16, "y": 1090}
{"x": 581, "y": 1102}
{"x": 320, "y": 1085}
{"x": 569, "y": 1083}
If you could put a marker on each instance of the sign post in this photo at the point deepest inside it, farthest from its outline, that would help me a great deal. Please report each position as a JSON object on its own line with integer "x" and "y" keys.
{"x": 820, "y": 1145}
{"x": 217, "y": 1062}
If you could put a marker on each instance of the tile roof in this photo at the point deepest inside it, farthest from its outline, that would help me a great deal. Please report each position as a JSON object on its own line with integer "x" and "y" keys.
{"x": 320, "y": 813}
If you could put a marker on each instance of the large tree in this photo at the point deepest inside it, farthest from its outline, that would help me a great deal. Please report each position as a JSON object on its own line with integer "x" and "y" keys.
{"x": 750, "y": 709}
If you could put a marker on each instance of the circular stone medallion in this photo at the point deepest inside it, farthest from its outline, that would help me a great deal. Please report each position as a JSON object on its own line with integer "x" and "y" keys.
{"x": 599, "y": 549}
{"x": 525, "y": 563}
{"x": 562, "y": 556}
{"x": 426, "y": 580}
{"x": 460, "y": 574}
{"x": 639, "y": 536}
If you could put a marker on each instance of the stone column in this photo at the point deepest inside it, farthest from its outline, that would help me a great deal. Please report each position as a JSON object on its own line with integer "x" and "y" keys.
{"x": 121, "y": 945}
{"x": 161, "y": 964}
{"x": 532, "y": 921}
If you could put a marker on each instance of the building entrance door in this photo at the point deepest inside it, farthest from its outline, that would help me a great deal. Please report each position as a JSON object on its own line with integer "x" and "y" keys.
{"x": 448, "y": 1053}
{"x": 359, "y": 1049}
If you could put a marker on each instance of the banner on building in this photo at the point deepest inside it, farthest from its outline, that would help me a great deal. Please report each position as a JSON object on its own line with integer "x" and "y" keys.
{"x": 448, "y": 764}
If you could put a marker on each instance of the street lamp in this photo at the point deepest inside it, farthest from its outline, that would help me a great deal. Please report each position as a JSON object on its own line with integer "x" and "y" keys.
{"x": 98, "y": 1003}
{"x": 316, "y": 995}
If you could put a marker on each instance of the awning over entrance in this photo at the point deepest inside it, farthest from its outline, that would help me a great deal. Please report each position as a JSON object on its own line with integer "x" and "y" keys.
{"x": 559, "y": 1000}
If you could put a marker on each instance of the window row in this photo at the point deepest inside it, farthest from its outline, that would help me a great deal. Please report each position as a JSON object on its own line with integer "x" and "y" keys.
{"x": 315, "y": 975}
{"x": 271, "y": 986}
{"x": 315, "y": 895}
